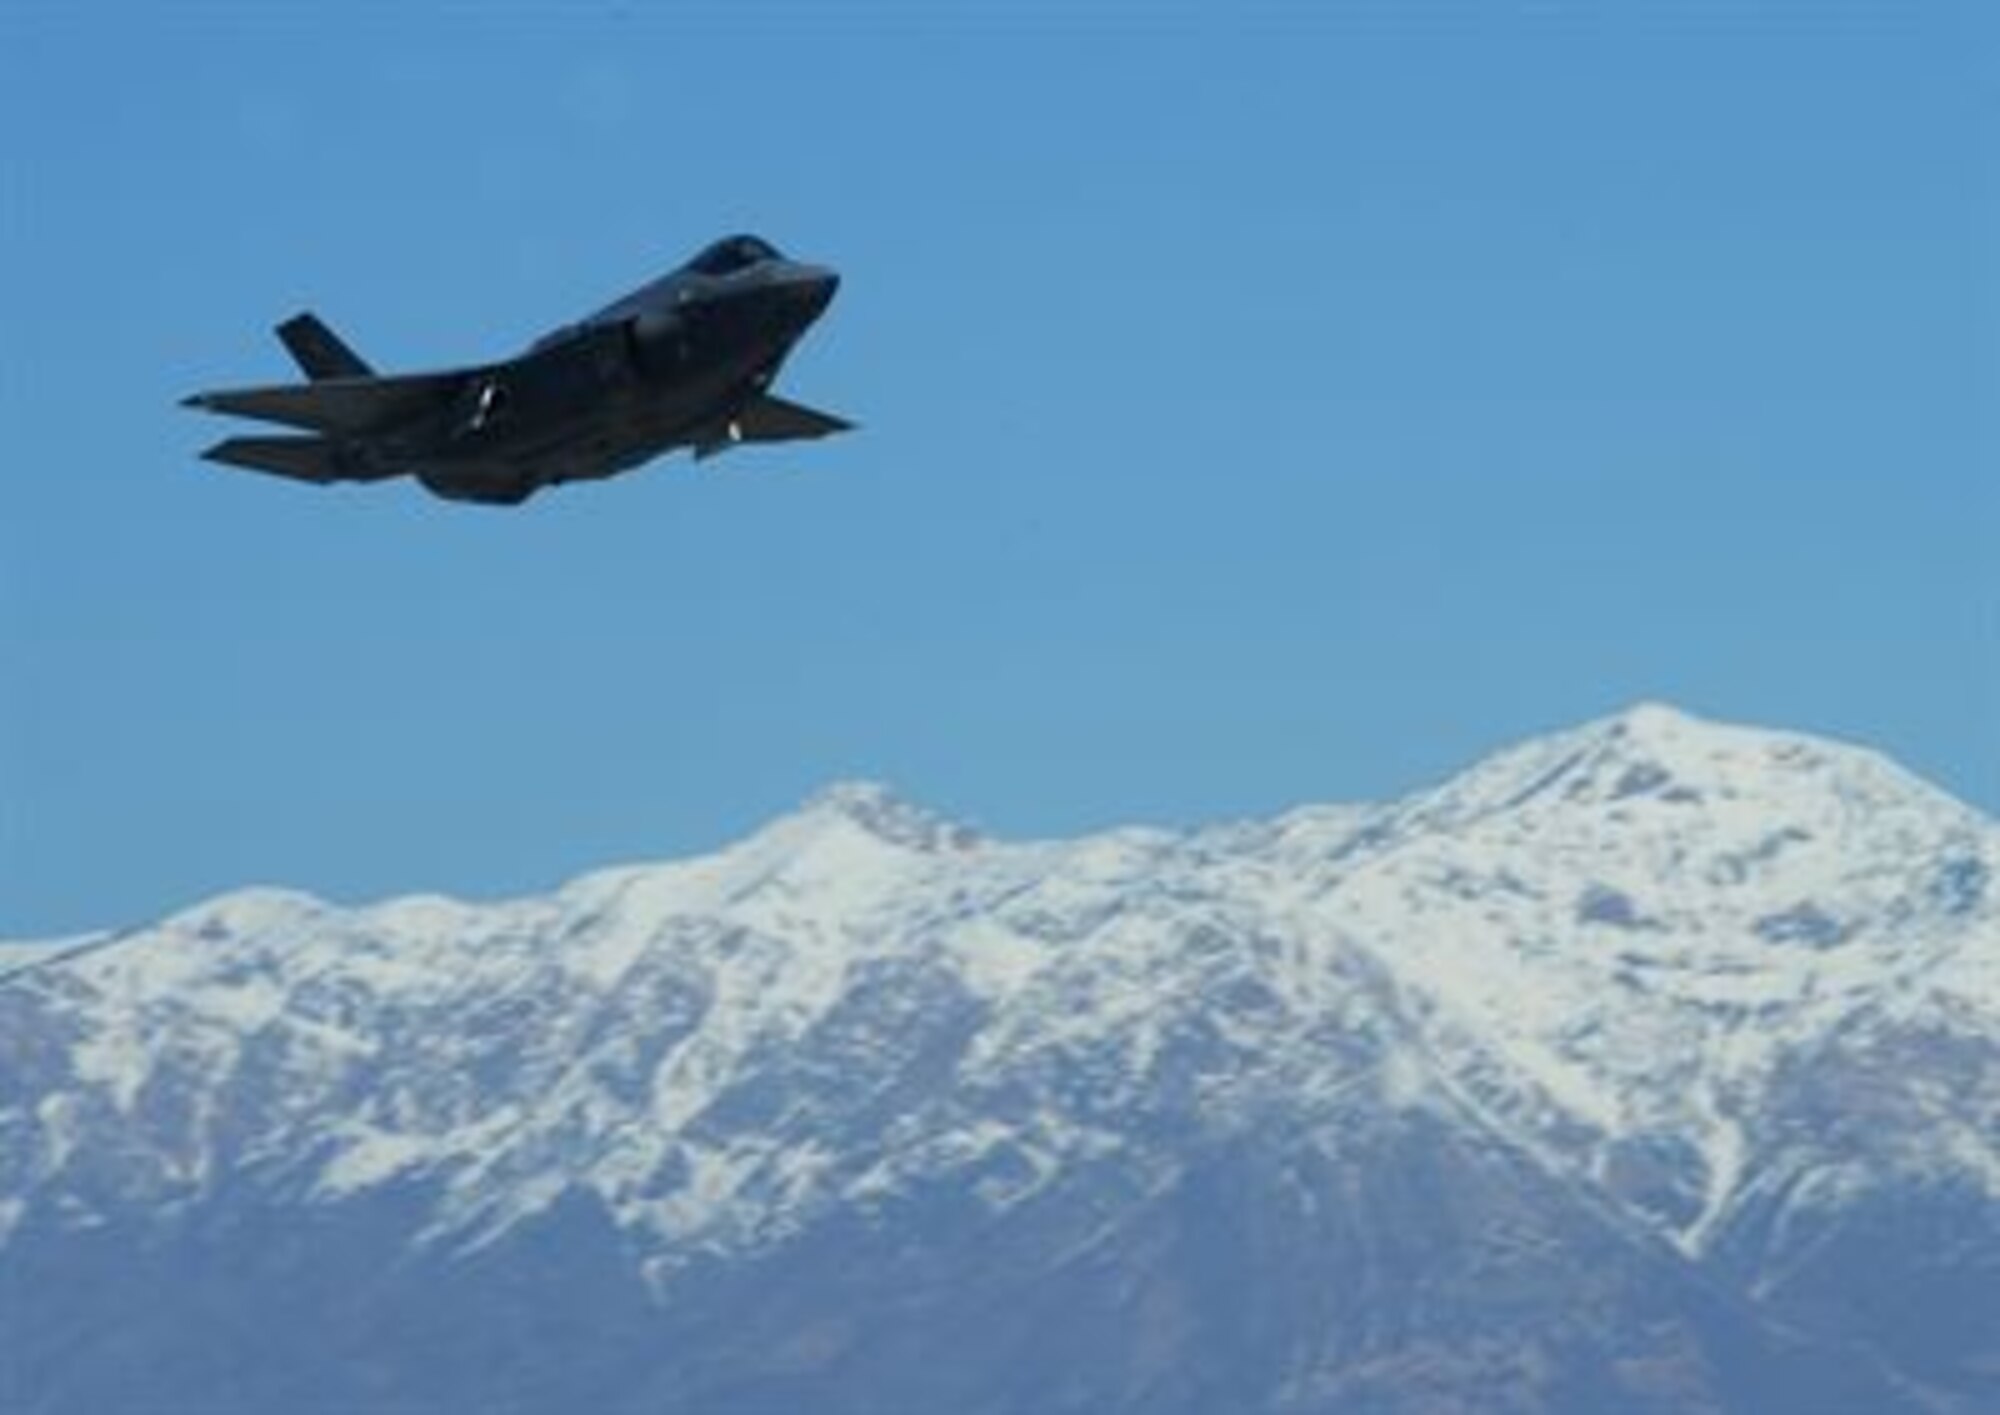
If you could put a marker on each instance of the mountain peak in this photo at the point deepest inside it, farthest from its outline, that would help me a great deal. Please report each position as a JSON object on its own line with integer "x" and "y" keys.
{"x": 1673, "y": 737}
{"x": 1655, "y": 763}
{"x": 247, "y": 912}
{"x": 1654, "y": 748}
{"x": 1653, "y": 721}
{"x": 888, "y": 816}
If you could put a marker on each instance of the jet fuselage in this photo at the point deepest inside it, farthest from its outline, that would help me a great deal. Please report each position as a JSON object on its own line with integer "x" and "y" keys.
{"x": 686, "y": 361}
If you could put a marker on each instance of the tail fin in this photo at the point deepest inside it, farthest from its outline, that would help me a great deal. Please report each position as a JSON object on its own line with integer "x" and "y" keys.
{"x": 319, "y": 351}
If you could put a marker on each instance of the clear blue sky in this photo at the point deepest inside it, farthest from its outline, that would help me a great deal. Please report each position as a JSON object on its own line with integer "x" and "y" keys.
{"x": 1261, "y": 404}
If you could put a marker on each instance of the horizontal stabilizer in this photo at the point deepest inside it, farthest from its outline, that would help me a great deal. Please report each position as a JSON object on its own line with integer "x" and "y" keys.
{"x": 300, "y": 458}
{"x": 768, "y": 419}
{"x": 341, "y": 405}
{"x": 319, "y": 351}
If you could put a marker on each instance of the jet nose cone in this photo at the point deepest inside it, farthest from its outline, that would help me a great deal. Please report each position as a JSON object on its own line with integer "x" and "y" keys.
{"x": 812, "y": 289}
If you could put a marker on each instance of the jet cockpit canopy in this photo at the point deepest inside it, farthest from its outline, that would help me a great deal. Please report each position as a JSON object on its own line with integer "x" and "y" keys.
{"x": 731, "y": 254}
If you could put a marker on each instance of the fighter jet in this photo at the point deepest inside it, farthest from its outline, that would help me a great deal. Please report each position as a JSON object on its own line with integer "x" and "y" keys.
{"x": 686, "y": 361}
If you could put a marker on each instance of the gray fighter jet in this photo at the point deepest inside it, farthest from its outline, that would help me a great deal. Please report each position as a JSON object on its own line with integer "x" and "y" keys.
{"x": 686, "y": 361}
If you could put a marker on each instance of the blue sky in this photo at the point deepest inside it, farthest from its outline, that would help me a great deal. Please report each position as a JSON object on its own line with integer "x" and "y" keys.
{"x": 1261, "y": 404}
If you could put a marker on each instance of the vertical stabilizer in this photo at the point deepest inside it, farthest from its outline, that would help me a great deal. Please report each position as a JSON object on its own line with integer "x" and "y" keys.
{"x": 319, "y": 351}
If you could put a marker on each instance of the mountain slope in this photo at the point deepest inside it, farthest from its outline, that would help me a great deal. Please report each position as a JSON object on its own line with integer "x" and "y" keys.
{"x": 1654, "y": 1065}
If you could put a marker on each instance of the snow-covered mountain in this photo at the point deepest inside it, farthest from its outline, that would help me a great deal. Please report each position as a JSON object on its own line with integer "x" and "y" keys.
{"x": 1652, "y": 1065}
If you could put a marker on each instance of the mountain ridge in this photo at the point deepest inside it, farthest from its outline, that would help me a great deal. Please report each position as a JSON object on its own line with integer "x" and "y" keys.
{"x": 859, "y": 800}
{"x": 1723, "y": 999}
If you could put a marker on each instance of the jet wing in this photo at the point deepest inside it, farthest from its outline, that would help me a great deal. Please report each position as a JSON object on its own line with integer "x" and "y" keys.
{"x": 768, "y": 419}
{"x": 348, "y": 406}
{"x": 311, "y": 459}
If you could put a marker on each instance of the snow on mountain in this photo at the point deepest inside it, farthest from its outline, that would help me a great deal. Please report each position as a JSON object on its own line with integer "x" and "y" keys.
{"x": 16, "y": 954}
{"x": 1670, "y": 959}
{"x": 1619, "y": 936}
